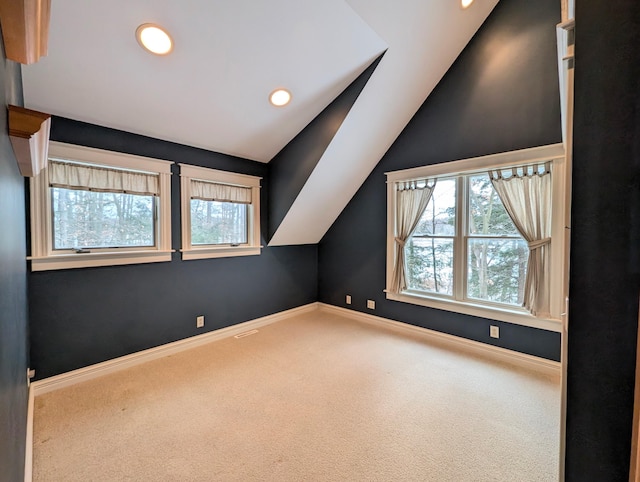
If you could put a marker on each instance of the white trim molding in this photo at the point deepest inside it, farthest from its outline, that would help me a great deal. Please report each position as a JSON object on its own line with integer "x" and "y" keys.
{"x": 554, "y": 153}
{"x": 67, "y": 379}
{"x": 28, "y": 451}
{"x": 533, "y": 155}
{"x": 44, "y": 257}
{"x": 531, "y": 362}
{"x": 566, "y": 60}
{"x": 516, "y": 316}
{"x": 252, "y": 247}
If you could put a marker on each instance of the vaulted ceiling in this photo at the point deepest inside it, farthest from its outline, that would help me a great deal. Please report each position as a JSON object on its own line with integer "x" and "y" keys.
{"x": 212, "y": 90}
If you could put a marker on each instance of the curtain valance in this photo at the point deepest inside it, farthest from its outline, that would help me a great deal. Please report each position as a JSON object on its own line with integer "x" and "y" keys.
{"x": 101, "y": 179}
{"x": 213, "y": 191}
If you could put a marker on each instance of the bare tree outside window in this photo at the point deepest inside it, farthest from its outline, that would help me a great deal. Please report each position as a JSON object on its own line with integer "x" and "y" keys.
{"x": 88, "y": 219}
{"x": 214, "y": 222}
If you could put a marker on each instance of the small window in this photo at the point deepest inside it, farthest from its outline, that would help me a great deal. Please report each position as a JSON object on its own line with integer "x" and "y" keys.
{"x": 453, "y": 244}
{"x": 220, "y": 213}
{"x": 99, "y": 208}
{"x": 218, "y": 223}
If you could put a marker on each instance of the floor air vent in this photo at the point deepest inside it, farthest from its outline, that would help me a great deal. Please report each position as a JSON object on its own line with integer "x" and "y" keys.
{"x": 246, "y": 333}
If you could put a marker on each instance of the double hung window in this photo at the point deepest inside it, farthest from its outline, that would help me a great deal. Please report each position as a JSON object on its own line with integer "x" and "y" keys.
{"x": 482, "y": 236}
{"x": 95, "y": 208}
{"x": 494, "y": 253}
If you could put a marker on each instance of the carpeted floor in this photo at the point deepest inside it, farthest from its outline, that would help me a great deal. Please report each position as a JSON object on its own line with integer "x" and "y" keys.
{"x": 313, "y": 398}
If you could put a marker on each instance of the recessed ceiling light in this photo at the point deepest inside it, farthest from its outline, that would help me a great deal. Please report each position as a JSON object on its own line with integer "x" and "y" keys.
{"x": 466, "y": 3}
{"x": 154, "y": 38}
{"x": 280, "y": 97}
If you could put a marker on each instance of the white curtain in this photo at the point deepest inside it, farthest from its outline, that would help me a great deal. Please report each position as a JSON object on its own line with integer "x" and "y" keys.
{"x": 213, "y": 191}
{"x": 526, "y": 195}
{"x": 412, "y": 199}
{"x": 92, "y": 178}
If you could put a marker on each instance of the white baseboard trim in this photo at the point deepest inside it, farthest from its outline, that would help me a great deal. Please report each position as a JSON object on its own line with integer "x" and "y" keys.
{"x": 497, "y": 353}
{"x": 28, "y": 451}
{"x": 99, "y": 369}
{"x": 93, "y": 371}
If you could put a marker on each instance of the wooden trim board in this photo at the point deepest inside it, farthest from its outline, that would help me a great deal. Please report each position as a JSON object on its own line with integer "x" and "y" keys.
{"x": 25, "y": 29}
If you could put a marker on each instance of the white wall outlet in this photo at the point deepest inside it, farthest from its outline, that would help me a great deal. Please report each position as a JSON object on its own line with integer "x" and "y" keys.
{"x": 200, "y": 321}
{"x": 348, "y": 299}
{"x": 371, "y": 304}
{"x": 494, "y": 331}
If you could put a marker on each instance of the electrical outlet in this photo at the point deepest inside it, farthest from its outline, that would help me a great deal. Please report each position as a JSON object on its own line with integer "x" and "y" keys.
{"x": 348, "y": 299}
{"x": 200, "y": 321}
{"x": 371, "y": 304}
{"x": 494, "y": 331}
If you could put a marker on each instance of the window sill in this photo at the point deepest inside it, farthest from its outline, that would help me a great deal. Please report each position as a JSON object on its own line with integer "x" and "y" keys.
{"x": 87, "y": 260}
{"x": 220, "y": 252}
{"x": 516, "y": 317}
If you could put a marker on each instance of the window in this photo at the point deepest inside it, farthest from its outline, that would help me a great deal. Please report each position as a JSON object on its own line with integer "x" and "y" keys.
{"x": 495, "y": 254}
{"x": 220, "y": 213}
{"x": 97, "y": 208}
{"x": 452, "y": 243}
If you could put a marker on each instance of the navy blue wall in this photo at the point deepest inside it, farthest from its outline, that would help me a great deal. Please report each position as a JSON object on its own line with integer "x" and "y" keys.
{"x": 292, "y": 166}
{"x": 605, "y": 248}
{"x": 13, "y": 290}
{"x": 85, "y": 316}
{"x": 501, "y": 94}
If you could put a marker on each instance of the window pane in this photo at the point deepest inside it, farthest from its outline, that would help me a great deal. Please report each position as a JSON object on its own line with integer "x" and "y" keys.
{"x": 214, "y": 222}
{"x": 496, "y": 270}
{"x": 440, "y": 216}
{"x": 430, "y": 265}
{"x": 487, "y": 215}
{"x": 85, "y": 219}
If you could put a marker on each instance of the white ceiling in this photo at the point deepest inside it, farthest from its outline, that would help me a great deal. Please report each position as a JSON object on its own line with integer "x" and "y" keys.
{"x": 212, "y": 90}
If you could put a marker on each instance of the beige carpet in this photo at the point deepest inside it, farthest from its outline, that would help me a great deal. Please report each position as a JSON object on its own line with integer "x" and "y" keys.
{"x": 313, "y": 398}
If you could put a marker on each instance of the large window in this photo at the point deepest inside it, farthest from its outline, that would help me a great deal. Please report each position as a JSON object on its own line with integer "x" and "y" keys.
{"x": 96, "y": 208}
{"x": 220, "y": 213}
{"x": 495, "y": 255}
{"x": 454, "y": 245}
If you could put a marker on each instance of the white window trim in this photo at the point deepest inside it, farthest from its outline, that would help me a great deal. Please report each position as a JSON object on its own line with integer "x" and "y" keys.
{"x": 559, "y": 251}
{"x": 253, "y": 247}
{"x": 44, "y": 258}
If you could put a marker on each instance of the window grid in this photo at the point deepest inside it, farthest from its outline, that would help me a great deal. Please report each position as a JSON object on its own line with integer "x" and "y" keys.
{"x": 104, "y": 248}
{"x": 192, "y": 250}
{"x": 44, "y": 257}
{"x": 461, "y": 246}
{"x": 555, "y": 154}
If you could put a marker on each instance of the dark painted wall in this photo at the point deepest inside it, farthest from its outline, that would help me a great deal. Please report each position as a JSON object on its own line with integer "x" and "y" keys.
{"x": 501, "y": 94}
{"x": 13, "y": 290}
{"x": 85, "y": 316}
{"x": 292, "y": 166}
{"x": 605, "y": 246}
